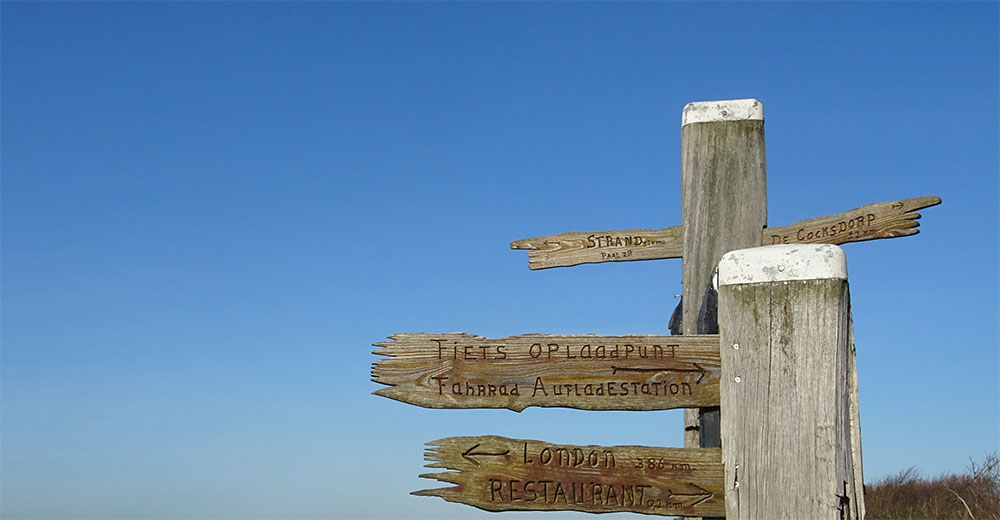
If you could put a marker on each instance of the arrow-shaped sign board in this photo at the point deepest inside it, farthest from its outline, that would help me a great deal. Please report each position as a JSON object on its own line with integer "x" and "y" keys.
{"x": 879, "y": 220}
{"x": 501, "y": 474}
{"x": 577, "y": 247}
{"x": 638, "y": 372}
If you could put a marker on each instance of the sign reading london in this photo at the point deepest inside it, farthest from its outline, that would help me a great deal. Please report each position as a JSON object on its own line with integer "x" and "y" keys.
{"x": 873, "y": 221}
{"x": 637, "y": 372}
{"x": 501, "y": 474}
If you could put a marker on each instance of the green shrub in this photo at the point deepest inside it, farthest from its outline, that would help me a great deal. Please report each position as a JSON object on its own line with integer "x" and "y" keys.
{"x": 907, "y": 495}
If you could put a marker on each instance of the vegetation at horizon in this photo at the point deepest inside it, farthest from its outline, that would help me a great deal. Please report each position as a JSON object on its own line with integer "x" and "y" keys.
{"x": 974, "y": 494}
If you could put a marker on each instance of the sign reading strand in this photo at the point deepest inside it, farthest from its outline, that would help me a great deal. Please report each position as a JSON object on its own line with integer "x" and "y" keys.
{"x": 873, "y": 221}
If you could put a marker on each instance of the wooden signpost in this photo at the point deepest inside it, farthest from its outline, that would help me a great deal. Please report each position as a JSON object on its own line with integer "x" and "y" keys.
{"x": 870, "y": 222}
{"x": 786, "y": 310}
{"x": 501, "y": 474}
{"x": 785, "y": 340}
{"x": 582, "y": 247}
{"x": 589, "y": 372}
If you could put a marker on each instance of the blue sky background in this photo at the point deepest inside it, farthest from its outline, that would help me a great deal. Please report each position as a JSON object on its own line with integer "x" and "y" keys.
{"x": 211, "y": 210}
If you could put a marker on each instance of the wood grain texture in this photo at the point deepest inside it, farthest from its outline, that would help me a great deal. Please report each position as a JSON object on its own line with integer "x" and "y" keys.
{"x": 787, "y": 416}
{"x": 639, "y": 372}
{"x": 724, "y": 207}
{"x": 500, "y": 474}
{"x": 889, "y": 219}
{"x": 580, "y": 247}
{"x": 855, "y": 411}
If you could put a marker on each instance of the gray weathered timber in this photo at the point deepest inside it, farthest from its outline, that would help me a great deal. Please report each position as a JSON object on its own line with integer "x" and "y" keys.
{"x": 499, "y": 474}
{"x": 890, "y": 219}
{"x": 789, "y": 427}
{"x": 575, "y": 248}
{"x": 855, "y": 420}
{"x": 589, "y": 372}
{"x": 724, "y": 200}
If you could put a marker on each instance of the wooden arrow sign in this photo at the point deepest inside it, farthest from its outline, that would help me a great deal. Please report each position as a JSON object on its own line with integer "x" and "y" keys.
{"x": 879, "y": 220}
{"x": 574, "y": 248}
{"x": 501, "y": 474}
{"x": 639, "y": 372}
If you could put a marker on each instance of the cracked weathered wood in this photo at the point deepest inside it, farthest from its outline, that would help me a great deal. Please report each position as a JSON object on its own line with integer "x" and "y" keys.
{"x": 637, "y": 372}
{"x": 580, "y": 247}
{"x": 724, "y": 207}
{"x": 500, "y": 474}
{"x": 855, "y": 416}
{"x": 789, "y": 426}
{"x": 890, "y": 219}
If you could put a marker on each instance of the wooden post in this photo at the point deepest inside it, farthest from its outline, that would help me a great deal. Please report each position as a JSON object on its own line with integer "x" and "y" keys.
{"x": 724, "y": 201}
{"x": 855, "y": 422}
{"x": 788, "y": 387}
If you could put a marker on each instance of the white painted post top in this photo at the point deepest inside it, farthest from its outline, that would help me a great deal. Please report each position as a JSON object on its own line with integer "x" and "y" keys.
{"x": 783, "y": 263}
{"x": 729, "y": 110}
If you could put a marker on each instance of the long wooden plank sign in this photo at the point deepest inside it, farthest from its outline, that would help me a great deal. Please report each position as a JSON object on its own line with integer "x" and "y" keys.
{"x": 879, "y": 220}
{"x": 639, "y": 372}
{"x": 874, "y": 221}
{"x": 577, "y": 247}
{"x": 501, "y": 474}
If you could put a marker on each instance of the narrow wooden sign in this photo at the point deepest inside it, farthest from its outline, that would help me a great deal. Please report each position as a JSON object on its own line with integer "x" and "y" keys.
{"x": 574, "y": 248}
{"x": 501, "y": 474}
{"x": 874, "y": 221}
{"x": 639, "y": 372}
{"x": 879, "y": 220}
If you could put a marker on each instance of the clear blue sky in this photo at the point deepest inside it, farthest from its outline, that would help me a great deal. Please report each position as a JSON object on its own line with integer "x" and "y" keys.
{"x": 211, "y": 210}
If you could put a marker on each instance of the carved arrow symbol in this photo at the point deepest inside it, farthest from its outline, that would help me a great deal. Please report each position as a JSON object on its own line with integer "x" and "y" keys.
{"x": 697, "y": 369}
{"x": 897, "y": 205}
{"x": 702, "y": 495}
{"x": 467, "y": 454}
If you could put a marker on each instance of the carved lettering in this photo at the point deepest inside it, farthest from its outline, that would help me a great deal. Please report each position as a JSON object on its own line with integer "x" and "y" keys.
{"x": 856, "y": 227}
{"x": 620, "y": 494}
{"x": 562, "y": 456}
{"x": 468, "y": 352}
{"x": 591, "y": 372}
{"x": 465, "y": 388}
{"x": 601, "y": 241}
{"x": 666, "y": 481}
{"x": 538, "y": 386}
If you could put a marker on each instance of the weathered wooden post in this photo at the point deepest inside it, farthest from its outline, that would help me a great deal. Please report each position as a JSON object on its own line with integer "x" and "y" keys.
{"x": 790, "y": 430}
{"x": 724, "y": 207}
{"x": 788, "y": 384}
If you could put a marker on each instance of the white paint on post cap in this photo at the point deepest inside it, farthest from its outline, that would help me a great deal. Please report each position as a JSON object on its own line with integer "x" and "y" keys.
{"x": 730, "y": 110}
{"x": 783, "y": 263}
